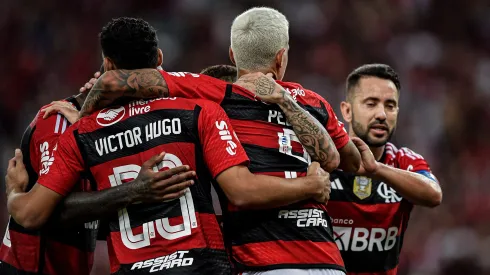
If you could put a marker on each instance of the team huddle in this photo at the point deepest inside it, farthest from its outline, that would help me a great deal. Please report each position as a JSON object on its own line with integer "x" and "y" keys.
{"x": 231, "y": 170}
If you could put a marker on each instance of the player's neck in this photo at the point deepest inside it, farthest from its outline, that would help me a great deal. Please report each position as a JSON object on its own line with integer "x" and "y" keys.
{"x": 242, "y": 72}
{"x": 377, "y": 151}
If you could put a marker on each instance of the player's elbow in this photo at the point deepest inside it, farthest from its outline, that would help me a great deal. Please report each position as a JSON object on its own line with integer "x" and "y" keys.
{"x": 332, "y": 164}
{"x": 350, "y": 158}
{"x": 243, "y": 198}
{"x": 350, "y": 165}
{"x": 29, "y": 221}
{"x": 434, "y": 200}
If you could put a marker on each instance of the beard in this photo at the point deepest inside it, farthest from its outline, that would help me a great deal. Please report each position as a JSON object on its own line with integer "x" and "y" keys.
{"x": 363, "y": 133}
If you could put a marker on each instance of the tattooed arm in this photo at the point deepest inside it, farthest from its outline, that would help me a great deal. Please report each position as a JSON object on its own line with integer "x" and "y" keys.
{"x": 310, "y": 132}
{"x": 118, "y": 86}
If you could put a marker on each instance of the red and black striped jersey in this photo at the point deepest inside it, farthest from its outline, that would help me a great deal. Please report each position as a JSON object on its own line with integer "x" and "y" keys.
{"x": 295, "y": 236}
{"x": 370, "y": 218}
{"x": 28, "y": 252}
{"x": 180, "y": 236}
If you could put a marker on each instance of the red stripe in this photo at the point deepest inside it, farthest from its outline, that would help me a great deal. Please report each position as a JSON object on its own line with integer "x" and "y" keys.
{"x": 64, "y": 259}
{"x": 24, "y": 255}
{"x": 259, "y": 133}
{"x": 287, "y": 252}
{"x": 206, "y": 235}
{"x": 388, "y": 272}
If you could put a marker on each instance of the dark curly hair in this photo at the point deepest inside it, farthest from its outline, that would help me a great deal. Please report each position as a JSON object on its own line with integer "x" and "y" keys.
{"x": 131, "y": 43}
{"x": 226, "y": 73}
{"x": 377, "y": 70}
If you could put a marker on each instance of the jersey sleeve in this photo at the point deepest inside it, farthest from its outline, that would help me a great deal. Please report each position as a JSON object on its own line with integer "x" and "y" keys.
{"x": 44, "y": 139}
{"x": 335, "y": 127}
{"x": 411, "y": 161}
{"x": 66, "y": 165}
{"x": 221, "y": 147}
{"x": 194, "y": 86}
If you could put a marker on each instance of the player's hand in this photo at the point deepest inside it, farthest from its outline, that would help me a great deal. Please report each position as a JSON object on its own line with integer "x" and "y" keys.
{"x": 151, "y": 186}
{"x": 369, "y": 165}
{"x": 322, "y": 180}
{"x": 263, "y": 86}
{"x": 17, "y": 177}
{"x": 64, "y": 108}
{"x": 86, "y": 88}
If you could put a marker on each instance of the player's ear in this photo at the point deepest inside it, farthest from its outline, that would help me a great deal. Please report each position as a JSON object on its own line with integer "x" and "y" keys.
{"x": 160, "y": 58}
{"x": 109, "y": 64}
{"x": 232, "y": 58}
{"x": 346, "y": 109}
{"x": 280, "y": 58}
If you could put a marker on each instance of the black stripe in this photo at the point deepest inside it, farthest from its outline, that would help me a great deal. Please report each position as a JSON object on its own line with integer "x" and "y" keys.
{"x": 346, "y": 194}
{"x": 205, "y": 262}
{"x": 73, "y": 100}
{"x": 25, "y": 147}
{"x": 88, "y": 140}
{"x": 240, "y": 107}
{"x": 264, "y": 159}
{"x": 7, "y": 269}
{"x": 264, "y": 225}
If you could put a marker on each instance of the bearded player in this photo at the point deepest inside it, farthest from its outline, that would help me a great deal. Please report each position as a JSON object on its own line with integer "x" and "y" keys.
{"x": 370, "y": 210}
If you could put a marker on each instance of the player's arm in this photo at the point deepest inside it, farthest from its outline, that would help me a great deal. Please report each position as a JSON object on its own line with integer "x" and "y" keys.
{"x": 249, "y": 191}
{"x": 33, "y": 209}
{"x": 310, "y": 132}
{"x": 148, "y": 187}
{"x": 119, "y": 85}
{"x": 225, "y": 157}
{"x": 419, "y": 186}
{"x": 29, "y": 209}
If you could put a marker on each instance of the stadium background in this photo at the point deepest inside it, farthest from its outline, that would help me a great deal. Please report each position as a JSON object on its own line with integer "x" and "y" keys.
{"x": 441, "y": 50}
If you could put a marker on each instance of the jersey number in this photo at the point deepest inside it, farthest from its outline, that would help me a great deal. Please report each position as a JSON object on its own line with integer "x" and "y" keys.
{"x": 163, "y": 227}
{"x": 285, "y": 147}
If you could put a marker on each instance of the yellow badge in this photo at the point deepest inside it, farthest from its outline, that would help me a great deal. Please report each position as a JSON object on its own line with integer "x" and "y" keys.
{"x": 362, "y": 187}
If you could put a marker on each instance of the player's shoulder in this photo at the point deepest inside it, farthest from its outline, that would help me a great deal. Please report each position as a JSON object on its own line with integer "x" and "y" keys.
{"x": 55, "y": 124}
{"x": 404, "y": 157}
{"x": 188, "y": 77}
{"x": 183, "y": 103}
{"x": 205, "y": 104}
{"x": 298, "y": 92}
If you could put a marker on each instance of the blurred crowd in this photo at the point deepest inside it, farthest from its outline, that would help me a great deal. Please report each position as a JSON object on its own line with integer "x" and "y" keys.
{"x": 441, "y": 50}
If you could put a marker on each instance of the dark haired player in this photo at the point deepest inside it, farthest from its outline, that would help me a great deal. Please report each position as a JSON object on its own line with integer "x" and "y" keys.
{"x": 57, "y": 250}
{"x": 226, "y": 73}
{"x": 279, "y": 139}
{"x": 370, "y": 210}
{"x": 174, "y": 237}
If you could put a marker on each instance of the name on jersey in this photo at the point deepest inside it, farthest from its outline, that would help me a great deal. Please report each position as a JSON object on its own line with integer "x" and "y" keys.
{"x": 277, "y": 117}
{"x": 361, "y": 239}
{"x": 176, "y": 259}
{"x": 138, "y": 135}
{"x": 46, "y": 158}
{"x": 141, "y": 106}
{"x": 305, "y": 217}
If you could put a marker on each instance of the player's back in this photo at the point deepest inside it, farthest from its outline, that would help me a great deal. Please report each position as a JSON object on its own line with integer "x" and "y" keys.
{"x": 294, "y": 236}
{"x": 26, "y": 251}
{"x": 370, "y": 218}
{"x": 180, "y": 236}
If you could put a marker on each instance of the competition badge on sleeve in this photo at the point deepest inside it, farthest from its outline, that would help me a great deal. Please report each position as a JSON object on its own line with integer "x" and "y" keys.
{"x": 362, "y": 187}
